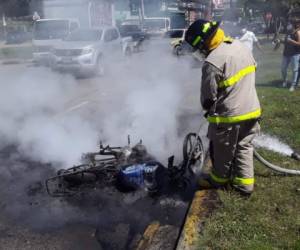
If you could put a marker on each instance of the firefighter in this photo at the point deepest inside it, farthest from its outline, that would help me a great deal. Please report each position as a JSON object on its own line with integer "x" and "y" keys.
{"x": 229, "y": 97}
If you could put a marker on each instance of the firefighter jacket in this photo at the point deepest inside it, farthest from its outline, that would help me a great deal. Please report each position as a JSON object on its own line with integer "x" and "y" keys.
{"x": 228, "y": 84}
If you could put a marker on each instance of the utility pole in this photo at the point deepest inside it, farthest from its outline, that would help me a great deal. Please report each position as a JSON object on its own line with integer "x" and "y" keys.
{"x": 143, "y": 9}
{"x": 142, "y": 13}
{"x": 4, "y": 24}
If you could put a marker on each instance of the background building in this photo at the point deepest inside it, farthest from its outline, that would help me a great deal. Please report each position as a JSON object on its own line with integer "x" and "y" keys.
{"x": 90, "y": 13}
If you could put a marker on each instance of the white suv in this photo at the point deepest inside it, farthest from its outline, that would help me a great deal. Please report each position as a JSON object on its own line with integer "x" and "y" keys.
{"x": 88, "y": 50}
{"x": 47, "y": 33}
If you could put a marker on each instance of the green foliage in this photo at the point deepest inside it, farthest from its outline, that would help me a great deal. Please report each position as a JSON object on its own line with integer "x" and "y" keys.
{"x": 270, "y": 218}
{"x": 16, "y": 52}
{"x": 267, "y": 220}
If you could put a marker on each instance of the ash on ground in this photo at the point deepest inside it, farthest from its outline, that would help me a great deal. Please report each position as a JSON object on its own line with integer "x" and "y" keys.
{"x": 98, "y": 219}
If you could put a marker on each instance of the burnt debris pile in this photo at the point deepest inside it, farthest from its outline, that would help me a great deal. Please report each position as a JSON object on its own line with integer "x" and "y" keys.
{"x": 128, "y": 168}
{"x": 117, "y": 218}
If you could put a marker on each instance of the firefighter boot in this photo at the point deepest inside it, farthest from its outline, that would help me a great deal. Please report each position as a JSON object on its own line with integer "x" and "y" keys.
{"x": 205, "y": 182}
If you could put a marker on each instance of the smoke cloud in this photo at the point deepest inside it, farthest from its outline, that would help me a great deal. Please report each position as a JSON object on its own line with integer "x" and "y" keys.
{"x": 29, "y": 102}
{"x": 149, "y": 112}
{"x": 54, "y": 118}
{"x": 51, "y": 117}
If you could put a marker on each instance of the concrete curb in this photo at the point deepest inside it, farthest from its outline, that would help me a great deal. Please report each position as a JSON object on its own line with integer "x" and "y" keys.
{"x": 158, "y": 236}
{"x": 148, "y": 235}
{"x": 203, "y": 203}
{"x": 167, "y": 237}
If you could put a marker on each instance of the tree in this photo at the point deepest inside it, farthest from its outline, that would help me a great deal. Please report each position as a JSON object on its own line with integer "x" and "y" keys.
{"x": 17, "y": 8}
{"x": 279, "y": 10}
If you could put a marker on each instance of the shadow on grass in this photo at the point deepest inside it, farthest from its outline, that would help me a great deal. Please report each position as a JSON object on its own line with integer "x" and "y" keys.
{"x": 273, "y": 84}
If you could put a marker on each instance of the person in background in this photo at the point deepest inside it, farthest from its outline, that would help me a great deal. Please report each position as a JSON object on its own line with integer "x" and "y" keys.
{"x": 249, "y": 38}
{"x": 291, "y": 55}
{"x": 36, "y": 16}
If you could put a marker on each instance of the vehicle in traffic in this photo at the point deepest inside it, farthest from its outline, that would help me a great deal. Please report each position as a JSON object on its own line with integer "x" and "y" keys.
{"x": 61, "y": 17}
{"x": 89, "y": 50}
{"x": 48, "y": 32}
{"x": 180, "y": 47}
{"x": 156, "y": 26}
{"x": 133, "y": 30}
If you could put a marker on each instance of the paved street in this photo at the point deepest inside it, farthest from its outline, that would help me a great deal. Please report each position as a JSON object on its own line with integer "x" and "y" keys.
{"x": 52, "y": 118}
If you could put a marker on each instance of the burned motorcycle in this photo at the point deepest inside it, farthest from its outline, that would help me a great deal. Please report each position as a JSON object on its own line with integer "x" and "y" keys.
{"x": 192, "y": 163}
{"x": 129, "y": 168}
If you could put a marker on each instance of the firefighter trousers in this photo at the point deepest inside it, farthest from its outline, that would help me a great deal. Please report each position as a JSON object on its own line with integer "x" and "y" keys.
{"x": 231, "y": 152}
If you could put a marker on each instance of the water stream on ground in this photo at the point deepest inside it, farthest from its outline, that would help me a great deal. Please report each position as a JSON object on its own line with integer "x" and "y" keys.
{"x": 272, "y": 143}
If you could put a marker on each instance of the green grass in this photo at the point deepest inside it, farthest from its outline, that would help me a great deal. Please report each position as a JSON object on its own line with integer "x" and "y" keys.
{"x": 270, "y": 218}
{"x": 16, "y": 52}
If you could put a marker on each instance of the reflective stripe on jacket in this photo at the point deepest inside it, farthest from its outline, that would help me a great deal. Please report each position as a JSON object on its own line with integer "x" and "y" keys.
{"x": 228, "y": 84}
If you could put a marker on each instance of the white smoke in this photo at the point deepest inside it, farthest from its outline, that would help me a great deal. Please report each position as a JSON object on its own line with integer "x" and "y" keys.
{"x": 151, "y": 97}
{"x": 51, "y": 141}
{"x": 40, "y": 113}
{"x": 273, "y": 144}
{"x": 29, "y": 101}
{"x": 149, "y": 114}
{"x": 54, "y": 118}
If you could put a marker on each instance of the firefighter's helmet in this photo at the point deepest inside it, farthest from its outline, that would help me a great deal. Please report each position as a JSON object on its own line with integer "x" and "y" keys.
{"x": 199, "y": 32}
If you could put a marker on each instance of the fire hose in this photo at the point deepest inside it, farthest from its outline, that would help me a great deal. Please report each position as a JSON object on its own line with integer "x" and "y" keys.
{"x": 266, "y": 163}
{"x": 276, "y": 168}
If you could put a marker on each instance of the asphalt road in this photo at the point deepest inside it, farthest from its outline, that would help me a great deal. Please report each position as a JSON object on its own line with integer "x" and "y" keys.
{"x": 151, "y": 96}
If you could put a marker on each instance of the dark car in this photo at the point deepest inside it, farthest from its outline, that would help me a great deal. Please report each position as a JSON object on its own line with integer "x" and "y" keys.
{"x": 132, "y": 30}
{"x": 136, "y": 33}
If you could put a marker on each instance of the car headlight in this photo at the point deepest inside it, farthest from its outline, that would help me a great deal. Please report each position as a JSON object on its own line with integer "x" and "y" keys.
{"x": 173, "y": 43}
{"x": 87, "y": 51}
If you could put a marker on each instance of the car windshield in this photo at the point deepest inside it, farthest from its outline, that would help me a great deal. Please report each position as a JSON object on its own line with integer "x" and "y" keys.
{"x": 85, "y": 35}
{"x": 51, "y": 29}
